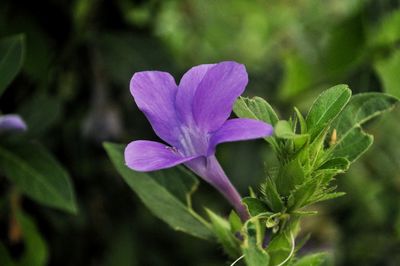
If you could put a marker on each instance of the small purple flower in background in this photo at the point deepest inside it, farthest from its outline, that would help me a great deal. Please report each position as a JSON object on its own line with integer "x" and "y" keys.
{"x": 193, "y": 119}
{"x": 11, "y": 123}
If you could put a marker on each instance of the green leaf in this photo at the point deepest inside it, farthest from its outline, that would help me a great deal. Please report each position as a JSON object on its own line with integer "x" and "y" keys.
{"x": 163, "y": 192}
{"x": 362, "y": 108}
{"x": 255, "y": 108}
{"x": 254, "y": 255}
{"x": 290, "y": 175}
{"x": 12, "y": 51}
{"x": 303, "y": 124}
{"x": 317, "y": 259}
{"x": 283, "y": 129}
{"x": 388, "y": 71}
{"x": 352, "y": 140}
{"x": 352, "y": 145}
{"x": 271, "y": 195}
{"x": 300, "y": 196}
{"x": 235, "y": 222}
{"x": 255, "y": 206}
{"x": 282, "y": 245}
{"x": 224, "y": 235}
{"x": 36, "y": 250}
{"x": 336, "y": 163}
{"x": 327, "y": 107}
{"x": 38, "y": 175}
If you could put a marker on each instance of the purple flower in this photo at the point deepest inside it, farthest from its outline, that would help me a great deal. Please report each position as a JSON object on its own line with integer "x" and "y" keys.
{"x": 192, "y": 117}
{"x": 11, "y": 123}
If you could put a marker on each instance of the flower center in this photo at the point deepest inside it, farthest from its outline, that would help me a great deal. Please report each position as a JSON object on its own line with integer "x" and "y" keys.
{"x": 193, "y": 141}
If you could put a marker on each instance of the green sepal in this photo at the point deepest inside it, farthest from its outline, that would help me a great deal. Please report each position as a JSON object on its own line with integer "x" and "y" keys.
{"x": 290, "y": 175}
{"x": 271, "y": 195}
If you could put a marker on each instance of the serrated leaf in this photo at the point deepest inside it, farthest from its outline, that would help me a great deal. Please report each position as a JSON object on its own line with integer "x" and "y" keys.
{"x": 271, "y": 195}
{"x": 38, "y": 175}
{"x": 300, "y": 196}
{"x": 12, "y": 51}
{"x": 317, "y": 259}
{"x": 159, "y": 197}
{"x": 255, "y": 206}
{"x": 290, "y": 175}
{"x": 224, "y": 235}
{"x": 326, "y": 108}
{"x": 328, "y": 196}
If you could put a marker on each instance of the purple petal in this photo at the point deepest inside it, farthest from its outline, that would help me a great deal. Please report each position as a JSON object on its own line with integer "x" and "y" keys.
{"x": 144, "y": 156}
{"x": 11, "y": 122}
{"x": 216, "y": 93}
{"x": 239, "y": 129}
{"x": 154, "y": 93}
{"x": 187, "y": 88}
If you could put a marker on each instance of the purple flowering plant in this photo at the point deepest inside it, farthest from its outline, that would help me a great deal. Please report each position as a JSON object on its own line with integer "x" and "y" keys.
{"x": 193, "y": 117}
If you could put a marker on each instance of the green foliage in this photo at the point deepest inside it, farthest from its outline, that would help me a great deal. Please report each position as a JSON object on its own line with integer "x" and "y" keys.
{"x": 307, "y": 167}
{"x": 166, "y": 193}
{"x": 388, "y": 70}
{"x": 12, "y": 50}
{"x": 326, "y": 107}
{"x": 317, "y": 259}
{"x": 35, "y": 252}
{"x": 38, "y": 175}
{"x": 254, "y": 254}
{"x": 223, "y": 231}
{"x": 255, "y": 206}
{"x": 257, "y": 108}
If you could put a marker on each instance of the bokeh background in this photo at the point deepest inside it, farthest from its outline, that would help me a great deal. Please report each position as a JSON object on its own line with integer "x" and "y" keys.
{"x": 74, "y": 92}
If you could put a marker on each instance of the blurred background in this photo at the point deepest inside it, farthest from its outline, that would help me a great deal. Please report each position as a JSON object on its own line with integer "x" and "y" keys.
{"x": 74, "y": 93}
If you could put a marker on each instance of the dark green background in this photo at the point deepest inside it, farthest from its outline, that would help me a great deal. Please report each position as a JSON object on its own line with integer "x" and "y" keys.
{"x": 74, "y": 85}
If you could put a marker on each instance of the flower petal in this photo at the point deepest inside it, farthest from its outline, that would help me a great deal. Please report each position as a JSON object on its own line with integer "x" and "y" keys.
{"x": 187, "y": 88}
{"x": 144, "y": 156}
{"x": 239, "y": 129}
{"x": 11, "y": 123}
{"x": 216, "y": 93}
{"x": 154, "y": 93}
